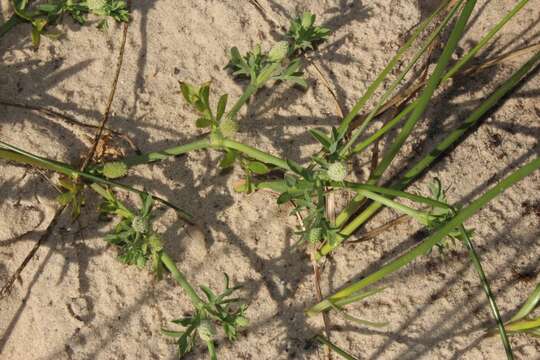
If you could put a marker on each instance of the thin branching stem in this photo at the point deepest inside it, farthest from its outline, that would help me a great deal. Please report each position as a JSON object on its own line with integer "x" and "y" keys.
{"x": 475, "y": 258}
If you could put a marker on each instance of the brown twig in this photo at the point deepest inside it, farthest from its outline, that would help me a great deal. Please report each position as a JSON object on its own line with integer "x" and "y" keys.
{"x": 8, "y": 286}
{"x": 106, "y": 115}
{"x": 403, "y": 96}
{"x": 326, "y": 84}
{"x": 317, "y": 281}
{"x": 68, "y": 119}
{"x": 6, "y": 289}
{"x": 377, "y": 231}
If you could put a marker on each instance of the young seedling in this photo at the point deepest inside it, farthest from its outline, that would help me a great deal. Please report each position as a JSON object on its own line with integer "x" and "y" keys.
{"x": 138, "y": 243}
{"x": 43, "y": 16}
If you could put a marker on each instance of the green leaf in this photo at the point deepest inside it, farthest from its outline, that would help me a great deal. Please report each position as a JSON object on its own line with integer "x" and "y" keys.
{"x": 115, "y": 169}
{"x": 222, "y": 104}
{"x": 190, "y": 93}
{"x": 320, "y": 137}
{"x": 203, "y": 122}
{"x": 228, "y": 159}
{"x": 64, "y": 198}
{"x": 258, "y": 168}
{"x": 208, "y": 292}
{"x": 279, "y": 51}
{"x": 283, "y": 198}
{"x": 296, "y": 168}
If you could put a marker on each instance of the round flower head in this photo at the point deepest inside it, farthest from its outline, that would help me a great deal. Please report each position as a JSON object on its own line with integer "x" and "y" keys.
{"x": 140, "y": 224}
{"x": 228, "y": 127}
{"x": 315, "y": 235}
{"x": 337, "y": 171}
{"x": 206, "y": 330}
{"x": 114, "y": 169}
{"x": 279, "y": 51}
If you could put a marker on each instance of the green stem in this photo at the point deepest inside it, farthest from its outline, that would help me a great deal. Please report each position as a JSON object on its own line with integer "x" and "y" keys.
{"x": 211, "y": 350}
{"x": 173, "y": 151}
{"x": 250, "y": 90}
{"x": 13, "y": 153}
{"x": 427, "y": 244}
{"x": 255, "y": 153}
{"x": 425, "y": 162}
{"x": 323, "y": 340}
{"x": 344, "y": 126}
{"x": 487, "y": 289}
{"x": 181, "y": 279}
{"x": 434, "y": 34}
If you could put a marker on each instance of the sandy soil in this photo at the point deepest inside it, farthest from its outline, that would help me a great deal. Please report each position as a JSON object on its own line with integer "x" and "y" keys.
{"x": 76, "y": 301}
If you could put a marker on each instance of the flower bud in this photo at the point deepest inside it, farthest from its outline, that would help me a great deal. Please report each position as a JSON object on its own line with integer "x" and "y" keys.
{"x": 337, "y": 171}
{"x": 206, "y": 330}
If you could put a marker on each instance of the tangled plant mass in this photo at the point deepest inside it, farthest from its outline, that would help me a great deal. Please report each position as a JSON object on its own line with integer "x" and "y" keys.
{"x": 308, "y": 187}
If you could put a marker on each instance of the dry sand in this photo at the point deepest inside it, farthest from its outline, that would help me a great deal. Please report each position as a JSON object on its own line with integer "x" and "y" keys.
{"x": 74, "y": 300}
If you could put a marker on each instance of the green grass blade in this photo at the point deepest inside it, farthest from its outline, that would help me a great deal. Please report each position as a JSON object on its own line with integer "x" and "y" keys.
{"x": 523, "y": 325}
{"x": 357, "y": 297}
{"x": 433, "y": 35}
{"x": 417, "y": 108}
{"x": 428, "y": 91}
{"x": 382, "y": 131}
{"x": 398, "y": 193}
{"x": 345, "y": 355}
{"x": 344, "y": 126}
{"x": 471, "y": 53}
{"x": 487, "y": 289}
{"x": 451, "y": 73}
{"x": 530, "y": 304}
{"x": 427, "y": 244}
{"x": 442, "y": 147}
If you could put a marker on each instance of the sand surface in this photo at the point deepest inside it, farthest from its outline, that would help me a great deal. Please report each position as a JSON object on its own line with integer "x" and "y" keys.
{"x": 74, "y": 300}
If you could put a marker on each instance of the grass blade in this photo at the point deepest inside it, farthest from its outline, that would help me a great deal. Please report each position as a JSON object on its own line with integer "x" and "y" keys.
{"x": 487, "y": 289}
{"x": 427, "y": 244}
{"x": 357, "y": 132}
{"x": 321, "y": 339}
{"x": 428, "y": 91}
{"x": 378, "y": 81}
{"x": 442, "y": 147}
{"x": 529, "y": 305}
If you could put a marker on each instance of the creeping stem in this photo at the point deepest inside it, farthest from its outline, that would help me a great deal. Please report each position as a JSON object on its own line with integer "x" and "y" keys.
{"x": 181, "y": 279}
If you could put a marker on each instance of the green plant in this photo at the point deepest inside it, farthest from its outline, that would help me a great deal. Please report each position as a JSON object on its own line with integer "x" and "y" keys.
{"x": 138, "y": 243}
{"x": 42, "y": 16}
{"x": 308, "y": 186}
